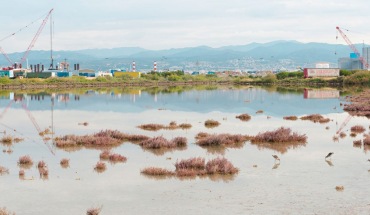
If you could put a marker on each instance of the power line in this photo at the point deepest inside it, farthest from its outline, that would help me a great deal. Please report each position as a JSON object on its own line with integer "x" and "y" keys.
{"x": 22, "y": 28}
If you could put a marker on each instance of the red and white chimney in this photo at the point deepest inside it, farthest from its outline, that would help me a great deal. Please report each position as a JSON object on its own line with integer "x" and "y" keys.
{"x": 133, "y": 66}
{"x": 155, "y": 66}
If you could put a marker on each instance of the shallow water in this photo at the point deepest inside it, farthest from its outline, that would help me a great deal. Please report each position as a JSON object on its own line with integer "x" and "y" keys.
{"x": 303, "y": 183}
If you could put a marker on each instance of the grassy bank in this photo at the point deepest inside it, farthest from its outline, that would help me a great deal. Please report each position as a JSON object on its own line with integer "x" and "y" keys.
{"x": 179, "y": 79}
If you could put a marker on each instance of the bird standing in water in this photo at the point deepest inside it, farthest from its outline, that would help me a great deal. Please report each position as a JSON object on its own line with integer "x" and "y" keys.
{"x": 276, "y": 158}
{"x": 329, "y": 155}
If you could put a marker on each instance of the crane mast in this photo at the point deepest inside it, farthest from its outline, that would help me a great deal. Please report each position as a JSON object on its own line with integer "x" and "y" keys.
{"x": 354, "y": 49}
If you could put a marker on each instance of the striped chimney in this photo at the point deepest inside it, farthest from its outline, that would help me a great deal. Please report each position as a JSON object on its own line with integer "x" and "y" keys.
{"x": 155, "y": 66}
{"x": 133, "y": 66}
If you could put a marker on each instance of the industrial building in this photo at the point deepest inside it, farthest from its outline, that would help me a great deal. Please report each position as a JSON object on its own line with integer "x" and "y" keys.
{"x": 352, "y": 62}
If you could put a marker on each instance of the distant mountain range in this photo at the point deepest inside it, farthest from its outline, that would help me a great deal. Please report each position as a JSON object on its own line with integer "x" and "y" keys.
{"x": 272, "y": 51}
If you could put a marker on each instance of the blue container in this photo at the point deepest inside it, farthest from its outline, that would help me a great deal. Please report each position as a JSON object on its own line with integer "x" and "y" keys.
{"x": 353, "y": 55}
{"x": 211, "y": 73}
{"x": 64, "y": 74}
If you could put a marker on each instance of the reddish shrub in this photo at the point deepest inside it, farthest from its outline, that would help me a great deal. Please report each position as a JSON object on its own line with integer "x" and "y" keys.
{"x": 135, "y": 137}
{"x": 358, "y": 129}
{"x": 353, "y": 135}
{"x": 244, "y": 117}
{"x": 222, "y": 139}
{"x": 260, "y": 111}
{"x": 6, "y": 139}
{"x": 366, "y": 141}
{"x": 191, "y": 163}
{"x": 342, "y": 135}
{"x": 335, "y": 138}
{"x": 100, "y": 166}
{"x": 357, "y": 142}
{"x": 94, "y": 211}
{"x": 180, "y": 141}
{"x": 117, "y": 158}
{"x": 25, "y": 160}
{"x": 290, "y": 118}
{"x": 186, "y": 173}
{"x": 43, "y": 172}
{"x": 173, "y": 123}
{"x": 201, "y": 135}
{"x": 104, "y": 154}
{"x": 41, "y": 164}
{"x": 3, "y": 170}
{"x": 156, "y": 171}
{"x": 21, "y": 173}
{"x": 161, "y": 142}
{"x": 64, "y": 161}
{"x": 279, "y": 135}
{"x": 313, "y": 117}
{"x": 220, "y": 166}
{"x": 323, "y": 121}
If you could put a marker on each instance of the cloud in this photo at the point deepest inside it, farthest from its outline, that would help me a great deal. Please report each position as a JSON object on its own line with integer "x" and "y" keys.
{"x": 164, "y": 24}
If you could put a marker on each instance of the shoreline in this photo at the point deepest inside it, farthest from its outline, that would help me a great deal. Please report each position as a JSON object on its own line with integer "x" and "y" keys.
{"x": 155, "y": 84}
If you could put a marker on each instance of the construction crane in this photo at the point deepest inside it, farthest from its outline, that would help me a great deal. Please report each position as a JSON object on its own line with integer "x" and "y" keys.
{"x": 32, "y": 119}
{"x": 32, "y": 42}
{"x": 35, "y": 38}
{"x": 354, "y": 49}
{"x": 349, "y": 117}
{"x": 6, "y": 56}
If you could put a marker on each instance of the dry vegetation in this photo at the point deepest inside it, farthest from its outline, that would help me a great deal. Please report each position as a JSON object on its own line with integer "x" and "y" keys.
{"x": 360, "y": 105}
{"x": 64, "y": 162}
{"x": 342, "y": 135}
{"x": 221, "y": 139}
{"x": 100, "y": 139}
{"x": 260, "y": 111}
{"x": 25, "y": 160}
{"x": 8, "y": 139}
{"x": 5, "y": 211}
{"x": 316, "y": 118}
{"x": 358, "y": 129}
{"x": 281, "y": 135}
{"x": 211, "y": 123}
{"x": 201, "y": 135}
{"x": 41, "y": 164}
{"x": 161, "y": 142}
{"x": 244, "y": 117}
{"x": 357, "y": 142}
{"x": 100, "y": 167}
{"x": 353, "y": 135}
{"x": 172, "y": 126}
{"x": 293, "y": 118}
{"x": 3, "y": 170}
{"x": 194, "y": 166}
{"x": 94, "y": 211}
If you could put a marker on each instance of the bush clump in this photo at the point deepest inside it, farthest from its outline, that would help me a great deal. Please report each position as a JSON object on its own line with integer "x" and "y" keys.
{"x": 279, "y": 135}
{"x": 156, "y": 171}
{"x": 358, "y": 129}
{"x": 161, "y": 142}
{"x": 244, "y": 117}
{"x": 191, "y": 163}
{"x": 25, "y": 160}
{"x": 211, "y": 123}
{"x": 293, "y": 118}
{"x": 222, "y": 139}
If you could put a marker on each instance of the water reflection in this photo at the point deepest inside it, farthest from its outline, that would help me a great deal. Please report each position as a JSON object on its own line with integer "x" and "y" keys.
{"x": 282, "y": 148}
{"x": 276, "y": 166}
{"x": 329, "y": 163}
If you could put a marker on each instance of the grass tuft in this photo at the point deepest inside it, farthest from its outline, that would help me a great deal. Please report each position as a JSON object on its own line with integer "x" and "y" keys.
{"x": 191, "y": 163}
{"x": 220, "y": 166}
{"x": 156, "y": 171}
{"x": 211, "y": 123}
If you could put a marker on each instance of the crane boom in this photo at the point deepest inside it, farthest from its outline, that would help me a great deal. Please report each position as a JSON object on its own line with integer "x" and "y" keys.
{"x": 35, "y": 38}
{"x": 354, "y": 49}
{"x": 349, "y": 117}
{"x": 6, "y": 56}
{"x": 35, "y": 124}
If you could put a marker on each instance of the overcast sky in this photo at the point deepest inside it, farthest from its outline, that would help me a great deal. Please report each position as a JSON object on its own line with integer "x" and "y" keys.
{"x": 164, "y": 24}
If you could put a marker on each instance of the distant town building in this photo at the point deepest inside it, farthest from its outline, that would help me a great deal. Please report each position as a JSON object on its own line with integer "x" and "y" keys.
{"x": 322, "y": 65}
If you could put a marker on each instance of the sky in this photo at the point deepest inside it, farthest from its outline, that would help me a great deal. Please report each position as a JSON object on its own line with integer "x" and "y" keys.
{"x": 165, "y": 24}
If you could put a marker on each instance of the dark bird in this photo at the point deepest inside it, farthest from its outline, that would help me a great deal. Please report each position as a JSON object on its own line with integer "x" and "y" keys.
{"x": 276, "y": 158}
{"x": 329, "y": 155}
{"x": 368, "y": 160}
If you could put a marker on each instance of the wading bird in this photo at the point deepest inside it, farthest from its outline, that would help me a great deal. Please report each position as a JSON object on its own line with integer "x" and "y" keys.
{"x": 276, "y": 158}
{"x": 329, "y": 155}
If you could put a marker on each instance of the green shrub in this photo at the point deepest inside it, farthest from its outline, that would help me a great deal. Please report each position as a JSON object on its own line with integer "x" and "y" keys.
{"x": 344, "y": 72}
{"x": 269, "y": 79}
{"x": 282, "y": 75}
